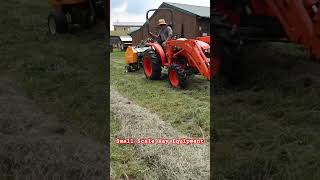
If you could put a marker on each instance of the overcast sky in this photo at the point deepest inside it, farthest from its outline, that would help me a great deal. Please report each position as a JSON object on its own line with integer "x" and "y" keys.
{"x": 134, "y": 10}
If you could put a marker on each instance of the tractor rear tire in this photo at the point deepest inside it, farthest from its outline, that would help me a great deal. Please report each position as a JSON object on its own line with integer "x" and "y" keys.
{"x": 86, "y": 21}
{"x": 57, "y": 22}
{"x": 231, "y": 65}
{"x": 151, "y": 65}
{"x": 177, "y": 76}
{"x": 228, "y": 48}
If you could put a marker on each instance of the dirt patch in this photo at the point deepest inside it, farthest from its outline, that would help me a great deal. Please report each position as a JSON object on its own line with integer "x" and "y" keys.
{"x": 169, "y": 161}
{"x": 38, "y": 145}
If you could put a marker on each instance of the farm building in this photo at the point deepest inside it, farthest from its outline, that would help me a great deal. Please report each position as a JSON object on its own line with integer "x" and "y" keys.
{"x": 127, "y": 26}
{"x": 119, "y": 38}
{"x": 190, "y": 21}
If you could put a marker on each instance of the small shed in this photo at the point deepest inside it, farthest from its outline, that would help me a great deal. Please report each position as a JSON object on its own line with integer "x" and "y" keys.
{"x": 126, "y": 41}
{"x": 115, "y": 42}
{"x": 120, "y": 40}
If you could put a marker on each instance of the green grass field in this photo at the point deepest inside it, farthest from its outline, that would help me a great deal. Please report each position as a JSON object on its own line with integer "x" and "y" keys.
{"x": 267, "y": 127}
{"x": 187, "y": 110}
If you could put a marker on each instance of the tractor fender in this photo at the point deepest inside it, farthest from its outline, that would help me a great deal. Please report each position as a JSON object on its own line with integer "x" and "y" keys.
{"x": 205, "y": 39}
{"x": 158, "y": 48}
{"x": 203, "y": 45}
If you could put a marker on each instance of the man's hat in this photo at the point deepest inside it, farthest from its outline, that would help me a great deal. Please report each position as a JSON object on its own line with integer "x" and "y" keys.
{"x": 162, "y": 22}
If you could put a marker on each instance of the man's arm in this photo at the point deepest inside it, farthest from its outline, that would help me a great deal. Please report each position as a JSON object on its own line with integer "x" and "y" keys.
{"x": 153, "y": 35}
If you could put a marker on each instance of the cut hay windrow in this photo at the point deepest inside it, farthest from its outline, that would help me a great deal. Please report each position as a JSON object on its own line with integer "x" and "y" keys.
{"x": 170, "y": 161}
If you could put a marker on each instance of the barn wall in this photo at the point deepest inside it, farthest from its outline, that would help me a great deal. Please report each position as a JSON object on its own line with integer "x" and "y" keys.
{"x": 204, "y": 23}
{"x": 136, "y": 37}
{"x": 190, "y": 24}
{"x": 180, "y": 19}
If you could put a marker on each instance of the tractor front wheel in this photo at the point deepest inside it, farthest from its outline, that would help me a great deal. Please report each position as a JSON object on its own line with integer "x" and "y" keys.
{"x": 151, "y": 65}
{"x": 57, "y": 22}
{"x": 177, "y": 76}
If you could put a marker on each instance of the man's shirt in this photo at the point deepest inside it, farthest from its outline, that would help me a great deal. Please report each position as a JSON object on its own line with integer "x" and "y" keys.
{"x": 165, "y": 33}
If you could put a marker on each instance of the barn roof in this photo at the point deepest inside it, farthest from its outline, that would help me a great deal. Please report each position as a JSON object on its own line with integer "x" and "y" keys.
{"x": 201, "y": 11}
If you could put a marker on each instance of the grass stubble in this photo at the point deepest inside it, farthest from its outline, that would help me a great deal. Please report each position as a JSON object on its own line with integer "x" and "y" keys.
{"x": 167, "y": 161}
{"x": 52, "y": 93}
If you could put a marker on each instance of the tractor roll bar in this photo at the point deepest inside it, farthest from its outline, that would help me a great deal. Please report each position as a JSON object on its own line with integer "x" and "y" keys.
{"x": 162, "y": 9}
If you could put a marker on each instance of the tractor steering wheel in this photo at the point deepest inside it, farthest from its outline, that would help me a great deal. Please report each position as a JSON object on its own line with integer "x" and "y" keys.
{"x": 153, "y": 39}
{"x": 150, "y": 39}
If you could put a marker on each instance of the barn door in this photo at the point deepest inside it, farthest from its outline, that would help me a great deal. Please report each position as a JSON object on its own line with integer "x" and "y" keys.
{"x": 182, "y": 30}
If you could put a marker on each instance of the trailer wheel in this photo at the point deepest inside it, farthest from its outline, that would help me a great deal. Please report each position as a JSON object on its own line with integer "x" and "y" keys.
{"x": 151, "y": 65}
{"x": 177, "y": 76}
{"x": 128, "y": 68}
{"x": 57, "y": 22}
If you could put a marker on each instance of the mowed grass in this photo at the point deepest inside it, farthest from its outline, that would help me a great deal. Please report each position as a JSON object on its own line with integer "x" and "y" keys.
{"x": 267, "y": 127}
{"x": 64, "y": 74}
{"x": 186, "y": 110}
{"x": 126, "y": 162}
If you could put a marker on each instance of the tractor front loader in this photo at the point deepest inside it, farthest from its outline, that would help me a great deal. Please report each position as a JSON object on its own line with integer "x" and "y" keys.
{"x": 66, "y": 13}
{"x": 182, "y": 57}
{"x": 240, "y": 22}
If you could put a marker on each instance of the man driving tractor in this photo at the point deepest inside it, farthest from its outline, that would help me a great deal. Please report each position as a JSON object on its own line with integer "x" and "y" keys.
{"x": 165, "y": 33}
{"x": 183, "y": 57}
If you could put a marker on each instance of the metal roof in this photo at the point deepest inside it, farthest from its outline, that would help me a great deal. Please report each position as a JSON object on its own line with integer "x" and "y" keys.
{"x": 201, "y": 11}
{"x": 131, "y": 24}
{"x": 126, "y": 38}
{"x": 114, "y": 39}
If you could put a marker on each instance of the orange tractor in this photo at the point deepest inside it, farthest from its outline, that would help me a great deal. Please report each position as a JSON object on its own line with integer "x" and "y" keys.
{"x": 82, "y": 13}
{"x": 182, "y": 57}
{"x": 240, "y": 22}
